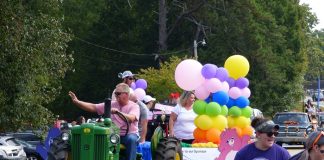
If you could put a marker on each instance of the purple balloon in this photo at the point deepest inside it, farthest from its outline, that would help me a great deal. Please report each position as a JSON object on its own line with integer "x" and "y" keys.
{"x": 141, "y": 83}
{"x": 209, "y": 71}
{"x": 133, "y": 85}
{"x": 221, "y": 74}
{"x": 242, "y": 83}
{"x": 231, "y": 82}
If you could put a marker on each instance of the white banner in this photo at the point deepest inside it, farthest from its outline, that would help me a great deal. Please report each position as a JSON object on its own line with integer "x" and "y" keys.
{"x": 200, "y": 153}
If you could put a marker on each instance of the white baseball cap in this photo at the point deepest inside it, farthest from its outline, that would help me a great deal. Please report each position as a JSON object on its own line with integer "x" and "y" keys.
{"x": 148, "y": 98}
{"x": 126, "y": 74}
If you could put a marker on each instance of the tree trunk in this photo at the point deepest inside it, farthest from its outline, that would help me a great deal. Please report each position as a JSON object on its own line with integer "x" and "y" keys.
{"x": 162, "y": 26}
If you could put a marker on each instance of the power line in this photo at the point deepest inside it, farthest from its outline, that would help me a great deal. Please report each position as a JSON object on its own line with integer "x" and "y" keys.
{"x": 129, "y": 53}
{"x": 116, "y": 62}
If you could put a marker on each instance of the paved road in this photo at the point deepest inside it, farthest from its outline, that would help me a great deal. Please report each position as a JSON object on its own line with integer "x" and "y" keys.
{"x": 293, "y": 149}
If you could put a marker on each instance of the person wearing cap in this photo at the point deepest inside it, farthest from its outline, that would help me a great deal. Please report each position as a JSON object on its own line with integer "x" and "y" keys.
{"x": 264, "y": 147}
{"x": 181, "y": 122}
{"x": 314, "y": 148}
{"x": 149, "y": 101}
{"x": 142, "y": 125}
{"x": 123, "y": 105}
{"x": 128, "y": 78}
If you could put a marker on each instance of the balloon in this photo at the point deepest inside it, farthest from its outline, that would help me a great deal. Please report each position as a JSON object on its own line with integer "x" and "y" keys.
{"x": 208, "y": 99}
{"x": 201, "y": 92}
{"x": 242, "y": 83}
{"x": 213, "y": 109}
{"x": 230, "y": 81}
{"x": 246, "y": 92}
{"x": 208, "y": 70}
{"x": 224, "y": 111}
{"x": 237, "y": 66}
{"x": 199, "y": 134}
{"x": 242, "y": 102}
{"x": 234, "y": 111}
{"x": 219, "y": 122}
{"x": 220, "y": 97}
{"x": 140, "y": 93}
{"x": 213, "y": 135}
{"x": 230, "y": 103}
{"x": 247, "y": 131}
{"x": 221, "y": 74}
{"x": 213, "y": 85}
{"x": 199, "y": 107}
{"x": 188, "y": 75}
{"x": 234, "y": 92}
{"x": 230, "y": 121}
{"x": 133, "y": 85}
{"x": 203, "y": 122}
{"x": 242, "y": 122}
{"x": 225, "y": 86}
{"x": 246, "y": 112}
{"x": 141, "y": 83}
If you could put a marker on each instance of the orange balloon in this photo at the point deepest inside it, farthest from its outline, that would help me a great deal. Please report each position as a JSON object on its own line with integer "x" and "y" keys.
{"x": 199, "y": 134}
{"x": 213, "y": 135}
{"x": 238, "y": 131}
{"x": 247, "y": 131}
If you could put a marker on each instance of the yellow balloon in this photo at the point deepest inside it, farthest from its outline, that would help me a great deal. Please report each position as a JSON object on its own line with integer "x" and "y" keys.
{"x": 242, "y": 122}
{"x": 219, "y": 122}
{"x": 237, "y": 66}
{"x": 230, "y": 121}
{"x": 203, "y": 122}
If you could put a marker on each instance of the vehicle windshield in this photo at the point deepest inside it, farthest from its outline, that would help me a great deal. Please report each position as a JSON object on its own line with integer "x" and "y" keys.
{"x": 291, "y": 119}
{"x": 12, "y": 142}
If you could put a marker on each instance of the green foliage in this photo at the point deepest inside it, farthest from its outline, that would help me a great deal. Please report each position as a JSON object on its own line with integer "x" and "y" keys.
{"x": 32, "y": 64}
{"x": 161, "y": 81}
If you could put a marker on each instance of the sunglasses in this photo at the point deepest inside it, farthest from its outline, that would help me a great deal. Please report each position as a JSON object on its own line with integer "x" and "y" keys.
{"x": 269, "y": 134}
{"x": 130, "y": 78}
{"x": 119, "y": 93}
{"x": 317, "y": 139}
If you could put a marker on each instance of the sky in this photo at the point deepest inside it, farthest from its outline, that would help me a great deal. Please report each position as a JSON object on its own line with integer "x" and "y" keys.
{"x": 317, "y": 7}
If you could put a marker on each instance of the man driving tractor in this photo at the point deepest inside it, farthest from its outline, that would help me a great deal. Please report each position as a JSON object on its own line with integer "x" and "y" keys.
{"x": 123, "y": 105}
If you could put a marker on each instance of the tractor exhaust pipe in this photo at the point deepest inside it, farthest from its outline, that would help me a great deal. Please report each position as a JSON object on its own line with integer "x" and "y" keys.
{"x": 107, "y": 113}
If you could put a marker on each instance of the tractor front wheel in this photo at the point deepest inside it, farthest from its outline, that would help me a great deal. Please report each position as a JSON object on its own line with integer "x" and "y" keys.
{"x": 169, "y": 148}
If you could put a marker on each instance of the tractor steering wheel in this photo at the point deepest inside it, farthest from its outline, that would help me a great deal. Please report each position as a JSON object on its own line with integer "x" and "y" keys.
{"x": 122, "y": 116}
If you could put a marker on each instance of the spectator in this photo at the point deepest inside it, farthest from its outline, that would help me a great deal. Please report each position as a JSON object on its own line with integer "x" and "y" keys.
{"x": 122, "y": 104}
{"x": 149, "y": 101}
{"x": 264, "y": 147}
{"x": 142, "y": 126}
{"x": 314, "y": 148}
{"x": 181, "y": 122}
{"x": 80, "y": 120}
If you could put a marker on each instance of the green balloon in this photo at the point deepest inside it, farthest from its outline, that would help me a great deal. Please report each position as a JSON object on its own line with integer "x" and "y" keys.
{"x": 213, "y": 109}
{"x": 199, "y": 107}
{"x": 224, "y": 111}
{"x": 246, "y": 111}
{"x": 235, "y": 111}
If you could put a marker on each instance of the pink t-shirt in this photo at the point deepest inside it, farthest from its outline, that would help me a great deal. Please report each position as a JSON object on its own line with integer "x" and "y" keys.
{"x": 131, "y": 108}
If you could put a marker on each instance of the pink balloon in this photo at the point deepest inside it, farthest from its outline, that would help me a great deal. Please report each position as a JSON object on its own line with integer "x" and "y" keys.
{"x": 188, "y": 75}
{"x": 201, "y": 92}
{"x": 140, "y": 93}
{"x": 225, "y": 86}
{"x": 213, "y": 85}
{"x": 246, "y": 92}
{"x": 234, "y": 92}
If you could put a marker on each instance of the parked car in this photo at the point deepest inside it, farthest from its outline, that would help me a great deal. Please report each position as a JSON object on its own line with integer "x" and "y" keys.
{"x": 320, "y": 120}
{"x": 30, "y": 150}
{"x": 27, "y": 136}
{"x": 294, "y": 127}
{"x": 11, "y": 149}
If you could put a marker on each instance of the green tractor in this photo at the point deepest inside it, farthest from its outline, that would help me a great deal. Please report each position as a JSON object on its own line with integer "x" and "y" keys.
{"x": 101, "y": 141}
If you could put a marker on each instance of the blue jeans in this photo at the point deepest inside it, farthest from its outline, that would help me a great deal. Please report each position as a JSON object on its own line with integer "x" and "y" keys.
{"x": 130, "y": 142}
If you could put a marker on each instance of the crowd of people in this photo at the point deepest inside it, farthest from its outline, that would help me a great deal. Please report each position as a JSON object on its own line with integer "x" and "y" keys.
{"x": 181, "y": 124}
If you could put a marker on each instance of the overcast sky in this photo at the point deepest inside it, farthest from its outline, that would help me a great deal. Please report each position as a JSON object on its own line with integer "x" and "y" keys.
{"x": 318, "y": 8}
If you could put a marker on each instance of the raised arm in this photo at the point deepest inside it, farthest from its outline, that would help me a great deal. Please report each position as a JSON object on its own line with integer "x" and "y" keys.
{"x": 90, "y": 107}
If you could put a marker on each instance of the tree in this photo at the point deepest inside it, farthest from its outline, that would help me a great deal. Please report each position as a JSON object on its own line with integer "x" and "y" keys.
{"x": 33, "y": 62}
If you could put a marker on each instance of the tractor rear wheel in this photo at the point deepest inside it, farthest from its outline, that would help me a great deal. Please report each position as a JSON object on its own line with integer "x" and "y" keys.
{"x": 58, "y": 149}
{"x": 169, "y": 149}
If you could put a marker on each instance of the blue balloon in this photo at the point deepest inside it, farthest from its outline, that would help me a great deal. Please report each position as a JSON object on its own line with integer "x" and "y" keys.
{"x": 208, "y": 99}
{"x": 220, "y": 97}
{"x": 230, "y": 103}
{"x": 242, "y": 102}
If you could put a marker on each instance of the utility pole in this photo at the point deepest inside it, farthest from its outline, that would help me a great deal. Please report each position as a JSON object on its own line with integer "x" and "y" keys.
{"x": 195, "y": 50}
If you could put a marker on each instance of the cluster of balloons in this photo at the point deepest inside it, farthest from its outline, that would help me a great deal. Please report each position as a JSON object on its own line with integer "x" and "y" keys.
{"x": 222, "y": 91}
{"x": 139, "y": 88}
